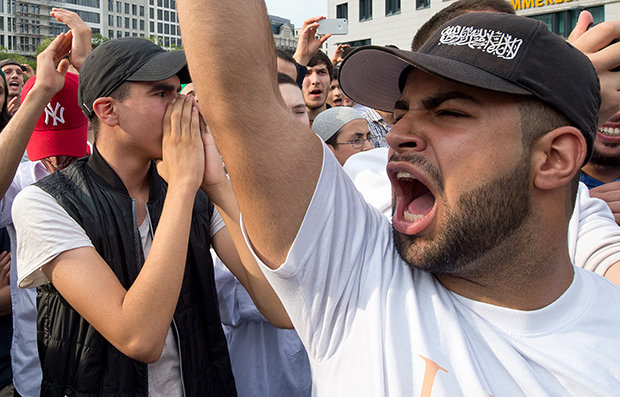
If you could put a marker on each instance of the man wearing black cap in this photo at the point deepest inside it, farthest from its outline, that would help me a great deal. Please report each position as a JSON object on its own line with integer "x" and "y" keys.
{"x": 124, "y": 275}
{"x": 473, "y": 293}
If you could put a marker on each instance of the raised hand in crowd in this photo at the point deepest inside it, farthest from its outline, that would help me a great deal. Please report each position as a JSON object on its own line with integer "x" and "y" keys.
{"x": 28, "y": 71}
{"x": 51, "y": 70}
{"x": 594, "y": 42}
{"x": 308, "y": 43}
{"x": 337, "y": 57}
{"x": 81, "y": 44}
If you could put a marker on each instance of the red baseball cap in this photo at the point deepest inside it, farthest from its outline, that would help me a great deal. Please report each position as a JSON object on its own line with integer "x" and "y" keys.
{"x": 62, "y": 127}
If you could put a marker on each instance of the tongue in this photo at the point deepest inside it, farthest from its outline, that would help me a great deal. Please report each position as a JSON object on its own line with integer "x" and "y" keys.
{"x": 421, "y": 205}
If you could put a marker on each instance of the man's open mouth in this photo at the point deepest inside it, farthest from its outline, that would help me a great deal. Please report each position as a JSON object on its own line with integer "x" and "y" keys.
{"x": 415, "y": 205}
{"x": 316, "y": 92}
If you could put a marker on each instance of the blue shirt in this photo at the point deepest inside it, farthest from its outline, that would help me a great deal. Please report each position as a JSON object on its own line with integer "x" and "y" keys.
{"x": 590, "y": 181}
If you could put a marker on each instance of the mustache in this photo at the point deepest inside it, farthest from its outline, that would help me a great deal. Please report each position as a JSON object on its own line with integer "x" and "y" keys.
{"x": 423, "y": 163}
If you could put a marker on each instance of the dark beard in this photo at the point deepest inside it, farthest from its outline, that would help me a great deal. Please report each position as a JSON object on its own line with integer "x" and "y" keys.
{"x": 602, "y": 160}
{"x": 482, "y": 219}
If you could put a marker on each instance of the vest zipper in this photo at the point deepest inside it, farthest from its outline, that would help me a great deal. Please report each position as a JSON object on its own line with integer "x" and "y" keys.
{"x": 137, "y": 243}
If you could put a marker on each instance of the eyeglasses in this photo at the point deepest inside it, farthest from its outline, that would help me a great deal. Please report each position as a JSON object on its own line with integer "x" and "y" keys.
{"x": 359, "y": 143}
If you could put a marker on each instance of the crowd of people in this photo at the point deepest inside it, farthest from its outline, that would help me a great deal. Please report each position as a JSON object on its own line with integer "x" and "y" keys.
{"x": 435, "y": 221}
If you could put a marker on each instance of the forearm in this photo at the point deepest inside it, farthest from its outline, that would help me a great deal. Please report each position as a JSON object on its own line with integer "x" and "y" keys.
{"x": 5, "y": 301}
{"x": 149, "y": 304}
{"x": 273, "y": 160}
{"x": 15, "y": 136}
{"x": 244, "y": 266}
{"x": 135, "y": 321}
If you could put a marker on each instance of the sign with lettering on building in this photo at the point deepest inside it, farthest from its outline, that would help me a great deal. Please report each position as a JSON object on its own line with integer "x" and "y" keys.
{"x": 526, "y": 4}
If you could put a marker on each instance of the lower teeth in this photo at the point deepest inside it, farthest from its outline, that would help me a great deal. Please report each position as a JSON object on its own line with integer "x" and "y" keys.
{"x": 409, "y": 217}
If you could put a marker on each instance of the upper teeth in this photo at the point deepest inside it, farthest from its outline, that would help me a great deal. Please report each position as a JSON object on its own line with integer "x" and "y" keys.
{"x": 610, "y": 131}
{"x": 404, "y": 175}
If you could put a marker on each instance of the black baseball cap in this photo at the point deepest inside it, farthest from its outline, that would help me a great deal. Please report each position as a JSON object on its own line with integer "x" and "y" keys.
{"x": 8, "y": 61}
{"x": 495, "y": 51}
{"x": 126, "y": 59}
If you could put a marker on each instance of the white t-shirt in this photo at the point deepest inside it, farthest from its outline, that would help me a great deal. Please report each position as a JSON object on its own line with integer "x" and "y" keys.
{"x": 372, "y": 326}
{"x": 45, "y": 230}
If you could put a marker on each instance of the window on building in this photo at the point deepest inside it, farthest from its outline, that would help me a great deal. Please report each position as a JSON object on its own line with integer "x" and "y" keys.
{"x": 563, "y": 22}
{"x": 160, "y": 14}
{"x": 392, "y": 7}
{"x": 126, "y": 8}
{"x": 127, "y": 34}
{"x": 166, "y": 3}
{"x": 141, "y": 11}
{"x": 173, "y": 30}
{"x": 119, "y": 7}
{"x": 152, "y": 27}
{"x": 152, "y": 13}
{"x": 159, "y": 3}
{"x": 126, "y": 23}
{"x": 342, "y": 11}
{"x": 110, "y": 34}
{"x": 365, "y": 10}
{"x": 166, "y": 42}
{"x": 111, "y": 20}
{"x": 134, "y": 23}
{"x": 166, "y": 29}
{"x": 419, "y": 4}
{"x": 173, "y": 16}
{"x": 141, "y": 24}
{"x": 151, "y": 2}
{"x": 167, "y": 16}
{"x": 134, "y": 9}
{"x": 119, "y": 33}
{"x": 110, "y": 5}
{"x": 119, "y": 21}
{"x": 173, "y": 4}
{"x": 160, "y": 27}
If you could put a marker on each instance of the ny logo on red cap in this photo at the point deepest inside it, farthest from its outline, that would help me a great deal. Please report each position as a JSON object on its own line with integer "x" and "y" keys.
{"x": 53, "y": 113}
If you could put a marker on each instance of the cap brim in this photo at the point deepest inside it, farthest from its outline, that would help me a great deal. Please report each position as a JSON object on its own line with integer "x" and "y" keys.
{"x": 161, "y": 66}
{"x": 370, "y": 75}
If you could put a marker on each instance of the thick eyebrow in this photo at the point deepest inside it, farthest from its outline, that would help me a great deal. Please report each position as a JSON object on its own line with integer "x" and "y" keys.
{"x": 434, "y": 101}
{"x": 163, "y": 87}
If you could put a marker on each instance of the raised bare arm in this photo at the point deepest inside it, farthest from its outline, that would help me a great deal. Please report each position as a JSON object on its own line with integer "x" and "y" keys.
{"x": 273, "y": 160}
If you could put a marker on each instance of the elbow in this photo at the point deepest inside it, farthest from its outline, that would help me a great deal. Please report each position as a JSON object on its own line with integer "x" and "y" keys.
{"x": 144, "y": 350}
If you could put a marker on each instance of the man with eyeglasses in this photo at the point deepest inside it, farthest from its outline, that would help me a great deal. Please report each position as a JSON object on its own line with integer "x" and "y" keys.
{"x": 344, "y": 130}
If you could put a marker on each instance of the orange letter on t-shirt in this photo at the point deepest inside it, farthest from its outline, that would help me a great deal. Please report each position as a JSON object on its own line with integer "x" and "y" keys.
{"x": 429, "y": 376}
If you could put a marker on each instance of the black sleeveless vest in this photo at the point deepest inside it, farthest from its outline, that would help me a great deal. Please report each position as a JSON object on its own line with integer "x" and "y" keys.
{"x": 76, "y": 360}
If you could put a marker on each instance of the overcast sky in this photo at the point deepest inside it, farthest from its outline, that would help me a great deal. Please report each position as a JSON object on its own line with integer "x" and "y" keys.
{"x": 297, "y": 10}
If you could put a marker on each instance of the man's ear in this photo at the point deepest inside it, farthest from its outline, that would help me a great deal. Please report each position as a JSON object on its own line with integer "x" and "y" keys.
{"x": 105, "y": 110}
{"x": 557, "y": 156}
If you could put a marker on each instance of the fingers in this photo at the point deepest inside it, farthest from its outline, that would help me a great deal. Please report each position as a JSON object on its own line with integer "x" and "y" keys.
{"x": 58, "y": 48}
{"x": 597, "y": 37}
{"x": 63, "y": 66}
{"x": 311, "y": 21}
{"x": 324, "y": 38}
{"x": 584, "y": 21}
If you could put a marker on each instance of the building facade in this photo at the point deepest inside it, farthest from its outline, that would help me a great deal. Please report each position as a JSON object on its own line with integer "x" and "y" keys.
{"x": 284, "y": 34}
{"x": 25, "y": 24}
{"x": 395, "y": 22}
